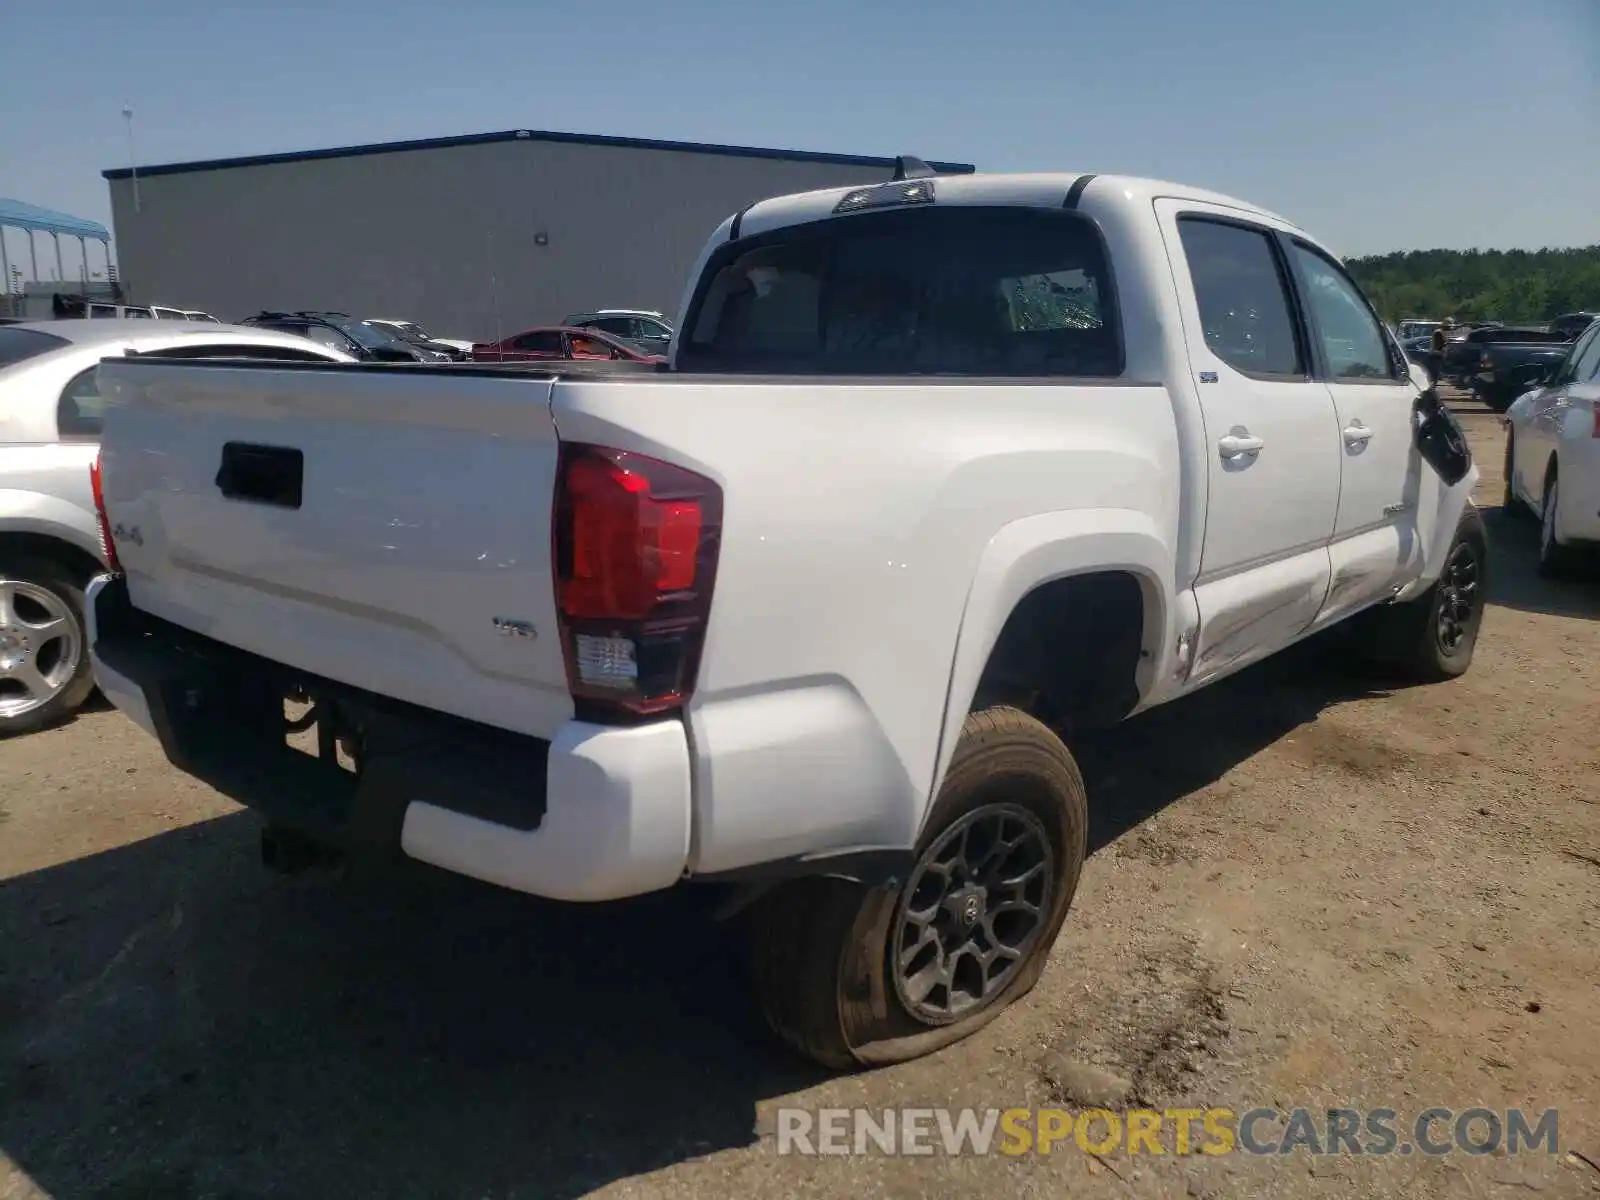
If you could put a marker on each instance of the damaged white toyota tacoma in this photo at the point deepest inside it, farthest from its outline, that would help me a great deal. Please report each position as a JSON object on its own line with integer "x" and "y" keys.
{"x": 943, "y": 472}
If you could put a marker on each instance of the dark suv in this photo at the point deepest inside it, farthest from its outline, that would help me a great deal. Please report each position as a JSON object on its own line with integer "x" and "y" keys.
{"x": 343, "y": 332}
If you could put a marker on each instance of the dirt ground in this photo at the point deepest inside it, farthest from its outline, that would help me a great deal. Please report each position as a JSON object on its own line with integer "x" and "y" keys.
{"x": 1306, "y": 890}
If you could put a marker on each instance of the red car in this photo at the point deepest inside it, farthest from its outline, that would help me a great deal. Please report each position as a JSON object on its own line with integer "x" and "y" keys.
{"x": 559, "y": 343}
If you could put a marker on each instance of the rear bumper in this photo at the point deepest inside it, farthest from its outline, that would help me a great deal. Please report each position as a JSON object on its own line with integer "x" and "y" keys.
{"x": 596, "y": 813}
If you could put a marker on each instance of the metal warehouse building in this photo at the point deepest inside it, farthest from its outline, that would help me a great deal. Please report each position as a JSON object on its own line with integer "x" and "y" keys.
{"x": 474, "y": 237}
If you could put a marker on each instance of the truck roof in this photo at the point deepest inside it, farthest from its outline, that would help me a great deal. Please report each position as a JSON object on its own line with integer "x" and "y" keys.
{"x": 1043, "y": 190}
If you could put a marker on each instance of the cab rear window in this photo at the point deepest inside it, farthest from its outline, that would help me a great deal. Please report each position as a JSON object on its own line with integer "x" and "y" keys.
{"x": 964, "y": 291}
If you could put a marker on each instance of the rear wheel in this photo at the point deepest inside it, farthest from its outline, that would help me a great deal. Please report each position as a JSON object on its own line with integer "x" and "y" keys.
{"x": 44, "y": 656}
{"x": 850, "y": 975}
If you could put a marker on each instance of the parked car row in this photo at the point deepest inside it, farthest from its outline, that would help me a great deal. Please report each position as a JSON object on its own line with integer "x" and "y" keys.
{"x": 70, "y": 307}
{"x": 1492, "y": 359}
{"x": 633, "y": 335}
{"x": 364, "y": 341}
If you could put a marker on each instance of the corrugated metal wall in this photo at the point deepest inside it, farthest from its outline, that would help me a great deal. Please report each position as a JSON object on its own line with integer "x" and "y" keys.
{"x": 444, "y": 236}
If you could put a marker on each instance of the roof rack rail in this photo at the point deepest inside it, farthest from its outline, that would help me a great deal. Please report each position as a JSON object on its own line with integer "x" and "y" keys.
{"x": 908, "y": 167}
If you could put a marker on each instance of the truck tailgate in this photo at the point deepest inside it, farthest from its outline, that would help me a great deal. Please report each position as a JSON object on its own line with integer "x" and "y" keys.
{"x": 386, "y": 529}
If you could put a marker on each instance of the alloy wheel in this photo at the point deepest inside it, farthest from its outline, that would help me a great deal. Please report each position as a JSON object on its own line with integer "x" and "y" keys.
{"x": 974, "y": 909}
{"x": 40, "y": 647}
{"x": 1460, "y": 596}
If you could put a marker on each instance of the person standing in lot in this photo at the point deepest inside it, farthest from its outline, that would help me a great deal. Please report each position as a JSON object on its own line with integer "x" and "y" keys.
{"x": 1436, "y": 345}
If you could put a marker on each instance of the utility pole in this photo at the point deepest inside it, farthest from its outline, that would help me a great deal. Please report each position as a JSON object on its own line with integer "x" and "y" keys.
{"x": 133, "y": 167}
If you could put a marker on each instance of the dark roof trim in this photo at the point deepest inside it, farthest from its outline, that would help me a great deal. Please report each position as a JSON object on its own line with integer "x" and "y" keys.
{"x": 529, "y": 135}
{"x": 1075, "y": 192}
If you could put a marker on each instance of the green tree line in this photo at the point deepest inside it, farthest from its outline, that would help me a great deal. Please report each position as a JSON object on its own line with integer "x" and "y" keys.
{"x": 1514, "y": 286}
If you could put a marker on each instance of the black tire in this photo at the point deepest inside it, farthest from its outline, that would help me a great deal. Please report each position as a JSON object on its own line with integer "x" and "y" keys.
{"x": 1432, "y": 638}
{"x": 822, "y": 946}
{"x": 63, "y": 585}
{"x": 1556, "y": 561}
{"x": 1510, "y": 504}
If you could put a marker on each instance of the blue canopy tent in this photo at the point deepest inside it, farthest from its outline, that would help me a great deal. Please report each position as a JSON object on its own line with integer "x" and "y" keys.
{"x": 32, "y": 219}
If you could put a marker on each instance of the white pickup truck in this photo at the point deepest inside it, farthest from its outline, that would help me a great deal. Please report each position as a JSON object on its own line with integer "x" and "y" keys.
{"x": 943, "y": 471}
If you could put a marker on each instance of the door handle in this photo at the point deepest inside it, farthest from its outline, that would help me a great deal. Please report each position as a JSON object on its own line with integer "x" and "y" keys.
{"x": 1237, "y": 445}
{"x": 1356, "y": 434}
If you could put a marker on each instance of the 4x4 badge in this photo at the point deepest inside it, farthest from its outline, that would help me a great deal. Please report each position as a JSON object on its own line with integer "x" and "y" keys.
{"x": 513, "y": 628}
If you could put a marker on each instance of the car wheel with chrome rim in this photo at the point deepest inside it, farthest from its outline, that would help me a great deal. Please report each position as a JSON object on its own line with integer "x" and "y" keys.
{"x": 44, "y": 656}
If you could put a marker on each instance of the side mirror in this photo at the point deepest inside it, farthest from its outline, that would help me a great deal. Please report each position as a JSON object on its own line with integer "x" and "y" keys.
{"x": 1419, "y": 377}
{"x": 1440, "y": 440}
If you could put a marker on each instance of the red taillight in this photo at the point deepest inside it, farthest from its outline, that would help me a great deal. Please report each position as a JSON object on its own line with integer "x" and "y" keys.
{"x": 108, "y": 548}
{"x": 1595, "y": 432}
{"x": 635, "y": 553}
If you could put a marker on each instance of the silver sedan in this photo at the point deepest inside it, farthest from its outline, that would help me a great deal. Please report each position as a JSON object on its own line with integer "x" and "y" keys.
{"x": 50, "y": 415}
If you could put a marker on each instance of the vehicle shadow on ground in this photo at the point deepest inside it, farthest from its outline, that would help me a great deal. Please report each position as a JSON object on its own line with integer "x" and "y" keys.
{"x": 1514, "y": 579}
{"x": 1134, "y": 770}
{"x": 175, "y": 1022}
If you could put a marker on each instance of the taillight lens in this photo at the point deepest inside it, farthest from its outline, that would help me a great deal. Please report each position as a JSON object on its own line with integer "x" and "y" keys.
{"x": 108, "y": 548}
{"x": 1595, "y": 432}
{"x": 635, "y": 544}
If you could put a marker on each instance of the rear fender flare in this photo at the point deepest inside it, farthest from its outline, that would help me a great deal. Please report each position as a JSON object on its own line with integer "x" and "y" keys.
{"x": 51, "y": 517}
{"x": 1037, "y": 550}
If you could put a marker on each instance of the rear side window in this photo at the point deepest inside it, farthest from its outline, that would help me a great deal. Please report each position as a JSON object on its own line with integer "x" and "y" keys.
{"x": 958, "y": 291}
{"x": 1583, "y": 364}
{"x": 18, "y": 345}
{"x": 1243, "y": 297}
{"x": 81, "y": 411}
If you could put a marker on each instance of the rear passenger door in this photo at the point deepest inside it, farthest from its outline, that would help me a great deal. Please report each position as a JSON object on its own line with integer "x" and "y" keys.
{"x": 1382, "y": 489}
{"x": 1272, "y": 439}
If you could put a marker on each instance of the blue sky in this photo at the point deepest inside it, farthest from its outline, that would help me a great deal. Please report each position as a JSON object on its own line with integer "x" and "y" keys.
{"x": 1378, "y": 124}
